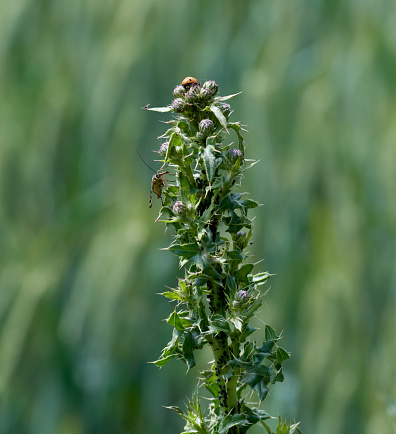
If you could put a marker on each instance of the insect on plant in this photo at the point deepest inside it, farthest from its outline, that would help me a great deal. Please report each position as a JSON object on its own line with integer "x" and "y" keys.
{"x": 157, "y": 183}
{"x": 190, "y": 82}
{"x": 219, "y": 294}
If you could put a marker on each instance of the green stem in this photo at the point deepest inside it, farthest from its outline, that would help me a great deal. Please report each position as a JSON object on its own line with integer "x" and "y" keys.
{"x": 222, "y": 354}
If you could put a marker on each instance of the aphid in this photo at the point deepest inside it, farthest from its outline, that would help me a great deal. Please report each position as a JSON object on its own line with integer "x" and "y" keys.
{"x": 189, "y": 81}
{"x": 157, "y": 183}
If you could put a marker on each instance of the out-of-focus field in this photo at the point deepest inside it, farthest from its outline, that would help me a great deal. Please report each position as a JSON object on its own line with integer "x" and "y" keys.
{"x": 80, "y": 265}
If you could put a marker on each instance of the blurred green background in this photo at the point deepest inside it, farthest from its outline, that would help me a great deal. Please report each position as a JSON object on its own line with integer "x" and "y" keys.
{"x": 80, "y": 259}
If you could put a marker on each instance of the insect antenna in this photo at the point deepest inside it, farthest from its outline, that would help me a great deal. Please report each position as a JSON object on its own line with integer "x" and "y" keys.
{"x": 146, "y": 163}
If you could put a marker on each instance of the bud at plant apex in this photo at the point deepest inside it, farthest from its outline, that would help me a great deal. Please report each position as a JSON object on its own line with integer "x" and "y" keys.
{"x": 190, "y": 82}
{"x": 210, "y": 88}
{"x": 193, "y": 95}
{"x": 179, "y": 91}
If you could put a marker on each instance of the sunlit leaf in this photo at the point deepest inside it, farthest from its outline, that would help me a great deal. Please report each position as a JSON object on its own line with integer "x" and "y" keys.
{"x": 219, "y": 115}
{"x": 209, "y": 161}
{"x": 159, "y": 109}
{"x": 225, "y": 98}
{"x": 230, "y": 421}
{"x": 175, "y": 321}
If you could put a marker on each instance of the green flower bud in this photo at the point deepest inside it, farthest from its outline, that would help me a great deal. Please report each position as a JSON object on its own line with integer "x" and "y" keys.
{"x": 242, "y": 299}
{"x": 240, "y": 239}
{"x": 205, "y": 95}
{"x": 206, "y": 127}
{"x": 179, "y": 91}
{"x": 179, "y": 208}
{"x": 163, "y": 148}
{"x": 193, "y": 95}
{"x": 225, "y": 108}
{"x": 210, "y": 88}
{"x": 179, "y": 149}
{"x": 235, "y": 155}
{"x": 242, "y": 295}
{"x": 178, "y": 105}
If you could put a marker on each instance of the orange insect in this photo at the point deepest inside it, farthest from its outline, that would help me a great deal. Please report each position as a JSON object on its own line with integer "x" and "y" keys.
{"x": 190, "y": 81}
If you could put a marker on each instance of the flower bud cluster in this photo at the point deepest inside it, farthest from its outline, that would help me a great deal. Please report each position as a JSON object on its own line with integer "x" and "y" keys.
{"x": 193, "y": 94}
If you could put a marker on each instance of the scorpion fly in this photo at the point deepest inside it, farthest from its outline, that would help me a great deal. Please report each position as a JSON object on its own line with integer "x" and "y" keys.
{"x": 157, "y": 183}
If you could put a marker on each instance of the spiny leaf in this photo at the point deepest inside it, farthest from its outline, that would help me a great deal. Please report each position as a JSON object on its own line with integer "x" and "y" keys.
{"x": 282, "y": 355}
{"x": 163, "y": 360}
{"x": 243, "y": 271}
{"x": 158, "y": 109}
{"x": 225, "y": 98}
{"x": 219, "y": 324}
{"x": 257, "y": 379}
{"x": 175, "y": 321}
{"x": 172, "y": 295}
{"x": 219, "y": 115}
{"x": 209, "y": 161}
{"x": 187, "y": 251}
{"x": 230, "y": 421}
{"x": 188, "y": 348}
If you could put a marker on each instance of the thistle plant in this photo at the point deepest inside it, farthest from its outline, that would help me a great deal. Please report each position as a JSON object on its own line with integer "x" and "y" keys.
{"x": 219, "y": 294}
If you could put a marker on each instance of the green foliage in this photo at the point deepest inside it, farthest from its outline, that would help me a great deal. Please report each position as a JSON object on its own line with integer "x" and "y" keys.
{"x": 80, "y": 268}
{"x": 219, "y": 294}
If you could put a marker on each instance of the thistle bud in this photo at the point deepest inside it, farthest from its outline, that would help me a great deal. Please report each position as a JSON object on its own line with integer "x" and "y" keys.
{"x": 179, "y": 91}
{"x": 242, "y": 299}
{"x": 206, "y": 127}
{"x": 235, "y": 155}
{"x": 178, "y": 105}
{"x": 225, "y": 108}
{"x": 179, "y": 208}
{"x": 240, "y": 239}
{"x": 163, "y": 148}
{"x": 193, "y": 95}
{"x": 210, "y": 88}
{"x": 242, "y": 295}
